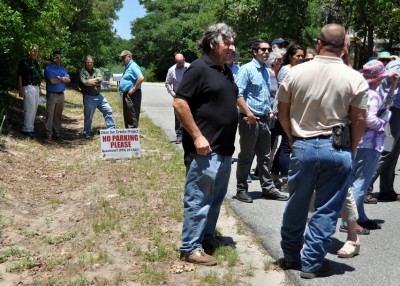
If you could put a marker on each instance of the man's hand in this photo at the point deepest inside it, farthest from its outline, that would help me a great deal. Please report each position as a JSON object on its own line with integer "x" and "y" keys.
{"x": 202, "y": 146}
{"x": 131, "y": 91}
{"x": 252, "y": 119}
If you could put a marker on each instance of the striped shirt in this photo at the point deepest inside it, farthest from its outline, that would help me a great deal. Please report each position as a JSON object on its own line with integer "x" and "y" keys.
{"x": 253, "y": 81}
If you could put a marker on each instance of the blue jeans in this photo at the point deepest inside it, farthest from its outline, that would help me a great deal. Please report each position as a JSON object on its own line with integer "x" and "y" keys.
{"x": 206, "y": 186}
{"x": 90, "y": 103}
{"x": 364, "y": 168}
{"x": 314, "y": 165}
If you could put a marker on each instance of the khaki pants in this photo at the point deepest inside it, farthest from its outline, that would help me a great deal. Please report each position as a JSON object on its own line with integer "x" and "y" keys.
{"x": 55, "y": 107}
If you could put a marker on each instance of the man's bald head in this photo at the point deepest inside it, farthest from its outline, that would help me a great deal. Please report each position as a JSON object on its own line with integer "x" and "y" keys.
{"x": 332, "y": 38}
{"x": 179, "y": 60}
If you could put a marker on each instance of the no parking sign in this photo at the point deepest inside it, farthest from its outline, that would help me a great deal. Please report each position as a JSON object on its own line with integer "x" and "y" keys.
{"x": 120, "y": 143}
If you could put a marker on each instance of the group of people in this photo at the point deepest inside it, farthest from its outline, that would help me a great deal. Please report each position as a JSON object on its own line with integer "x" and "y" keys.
{"x": 334, "y": 119}
{"x": 30, "y": 77}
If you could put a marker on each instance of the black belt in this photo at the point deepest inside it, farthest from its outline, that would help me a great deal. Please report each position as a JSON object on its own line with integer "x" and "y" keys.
{"x": 314, "y": 137}
{"x": 58, "y": 92}
{"x": 261, "y": 117}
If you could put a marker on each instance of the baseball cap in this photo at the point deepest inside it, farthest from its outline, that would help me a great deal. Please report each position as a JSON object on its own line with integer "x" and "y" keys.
{"x": 279, "y": 41}
{"x": 125, "y": 53}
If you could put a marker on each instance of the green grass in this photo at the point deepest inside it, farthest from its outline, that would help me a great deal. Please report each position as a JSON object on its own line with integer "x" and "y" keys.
{"x": 61, "y": 238}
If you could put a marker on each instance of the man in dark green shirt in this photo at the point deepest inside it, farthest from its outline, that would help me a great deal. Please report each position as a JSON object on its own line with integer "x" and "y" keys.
{"x": 90, "y": 84}
{"x": 29, "y": 79}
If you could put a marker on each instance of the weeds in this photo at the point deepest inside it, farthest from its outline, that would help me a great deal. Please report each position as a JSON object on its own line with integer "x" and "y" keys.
{"x": 62, "y": 238}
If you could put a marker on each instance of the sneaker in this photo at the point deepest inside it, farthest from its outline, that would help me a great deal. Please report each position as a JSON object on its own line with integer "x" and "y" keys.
{"x": 369, "y": 199}
{"x": 323, "y": 271}
{"x": 249, "y": 180}
{"x": 243, "y": 196}
{"x": 87, "y": 135}
{"x": 199, "y": 257}
{"x": 278, "y": 184}
{"x": 274, "y": 195}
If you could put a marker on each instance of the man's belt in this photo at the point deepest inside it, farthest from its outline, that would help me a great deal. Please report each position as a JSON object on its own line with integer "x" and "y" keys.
{"x": 56, "y": 92}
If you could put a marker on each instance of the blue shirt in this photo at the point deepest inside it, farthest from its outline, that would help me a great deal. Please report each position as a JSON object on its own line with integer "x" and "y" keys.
{"x": 131, "y": 73}
{"x": 52, "y": 71}
{"x": 253, "y": 81}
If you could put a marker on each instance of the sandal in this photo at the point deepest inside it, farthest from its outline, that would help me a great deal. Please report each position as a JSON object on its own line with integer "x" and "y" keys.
{"x": 359, "y": 230}
{"x": 349, "y": 249}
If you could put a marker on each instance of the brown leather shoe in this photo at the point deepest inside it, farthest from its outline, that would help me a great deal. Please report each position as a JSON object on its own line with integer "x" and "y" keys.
{"x": 199, "y": 257}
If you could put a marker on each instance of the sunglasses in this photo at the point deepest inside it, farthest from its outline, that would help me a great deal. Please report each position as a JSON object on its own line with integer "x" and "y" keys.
{"x": 265, "y": 49}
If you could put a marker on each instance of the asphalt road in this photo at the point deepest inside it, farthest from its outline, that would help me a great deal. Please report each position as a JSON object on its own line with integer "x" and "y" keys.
{"x": 377, "y": 263}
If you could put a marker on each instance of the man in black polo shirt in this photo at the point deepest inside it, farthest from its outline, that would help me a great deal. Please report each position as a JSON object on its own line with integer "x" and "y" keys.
{"x": 90, "y": 84}
{"x": 29, "y": 79}
{"x": 205, "y": 103}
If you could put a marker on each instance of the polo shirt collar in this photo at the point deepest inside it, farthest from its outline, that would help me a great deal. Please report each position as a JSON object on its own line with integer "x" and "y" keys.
{"x": 210, "y": 62}
{"x": 328, "y": 59}
{"x": 257, "y": 63}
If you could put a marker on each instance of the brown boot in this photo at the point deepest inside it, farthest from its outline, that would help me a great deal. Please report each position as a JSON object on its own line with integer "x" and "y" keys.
{"x": 199, "y": 257}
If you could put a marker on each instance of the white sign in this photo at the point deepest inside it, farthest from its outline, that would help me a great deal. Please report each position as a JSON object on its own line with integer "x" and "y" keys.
{"x": 120, "y": 143}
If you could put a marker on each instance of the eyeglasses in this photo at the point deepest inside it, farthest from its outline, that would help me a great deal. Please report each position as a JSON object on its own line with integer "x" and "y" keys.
{"x": 265, "y": 49}
{"x": 308, "y": 59}
{"x": 279, "y": 60}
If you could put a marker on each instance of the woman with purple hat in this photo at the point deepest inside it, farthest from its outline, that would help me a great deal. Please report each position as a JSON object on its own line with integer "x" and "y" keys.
{"x": 371, "y": 143}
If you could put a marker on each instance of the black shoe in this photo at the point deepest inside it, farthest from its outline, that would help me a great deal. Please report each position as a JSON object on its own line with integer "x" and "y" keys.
{"x": 28, "y": 134}
{"x": 388, "y": 197}
{"x": 243, "y": 196}
{"x": 323, "y": 271}
{"x": 289, "y": 265}
{"x": 369, "y": 199}
{"x": 274, "y": 195}
{"x": 370, "y": 224}
{"x": 210, "y": 245}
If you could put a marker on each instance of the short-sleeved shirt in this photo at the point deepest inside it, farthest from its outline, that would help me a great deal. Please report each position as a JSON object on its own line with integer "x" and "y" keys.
{"x": 131, "y": 73}
{"x": 53, "y": 71}
{"x": 320, "y": 93}
{"x": 211, "y": 94}
{"x": 30, "y": 72}
{"x": 253, "y": 82}
{"x": 84, "y": 76}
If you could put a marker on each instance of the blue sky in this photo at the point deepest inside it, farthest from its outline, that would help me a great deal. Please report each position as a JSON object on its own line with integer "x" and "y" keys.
{"x": 129, "y": 12}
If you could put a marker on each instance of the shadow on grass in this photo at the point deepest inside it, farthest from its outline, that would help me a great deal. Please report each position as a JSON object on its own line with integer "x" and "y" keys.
{"x": 14, "y": 111}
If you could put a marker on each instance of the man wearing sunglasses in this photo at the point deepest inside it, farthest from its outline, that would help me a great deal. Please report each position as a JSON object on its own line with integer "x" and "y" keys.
{"x": 253, "y": 81}
{"x": 56, "y": 77}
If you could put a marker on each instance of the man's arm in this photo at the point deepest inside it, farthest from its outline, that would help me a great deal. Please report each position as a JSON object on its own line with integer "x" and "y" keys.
{"x": 169, "y": 83}
{"x": 241, "y": 103}
{"x": 284, "y": 119}
{"x": 357, "y": 117}
{"x": 138, "y": 83}
{"x": 185, "y": 116}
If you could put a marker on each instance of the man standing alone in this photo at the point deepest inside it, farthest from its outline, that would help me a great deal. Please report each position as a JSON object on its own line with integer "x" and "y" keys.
{"x": 29, "y": 79}
{"x": 174, "y": 77}
{"x": 314, "y": 98}
{"x": 130, "y": 86}
{"x": 253, "y": 81}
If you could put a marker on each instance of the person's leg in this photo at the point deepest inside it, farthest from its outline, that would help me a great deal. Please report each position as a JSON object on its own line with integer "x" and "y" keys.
{"x": 302, "y": 176}
{"x": 220, "y": 169}
{"x": 59, "y": 107}
{"x": 51, "y": 99}
{"x": 128, "y": 110}
{"x": 137, "y": 101}
{"x": 31, "y": 101}
{"x": 332, "y": 173}
{"x": 178, "y": 127}
{"x": 364, "y": 167}
{"x": 284, "y": 160}
{"x": 89, "y": 107}
{"x": 247, "y": 141}
{"x": 198, "y": 199}
{"x": 106, "y": 110}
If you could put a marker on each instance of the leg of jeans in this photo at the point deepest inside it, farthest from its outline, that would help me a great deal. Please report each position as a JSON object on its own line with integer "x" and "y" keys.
{"x": 364, "y": 168}
{"x": 106, "y": 110}
{"x": 178, "y": 126}
{"x": 284, "y": 156}
{"x": 247, "y": 142}
{"x": 333, "y": 169}
{"x": 198, "y": 199}
{"x": 301, "y": 188}
{"x": 223, "y": 166}
{"x": 263, "y": 152}
{"x": 89, "y": 107}
{"x": 31, "y": 101}
{"x": 59, "y": 107}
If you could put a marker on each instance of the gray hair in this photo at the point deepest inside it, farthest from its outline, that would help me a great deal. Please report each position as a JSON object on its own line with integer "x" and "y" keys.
{"x": 88, "y": 57}
{"x": 214, "y": 34}
{"x": 274, "y": 54}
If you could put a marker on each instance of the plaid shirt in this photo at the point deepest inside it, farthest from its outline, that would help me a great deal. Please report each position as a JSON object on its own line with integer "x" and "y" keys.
{"x": 253, "y": 81}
